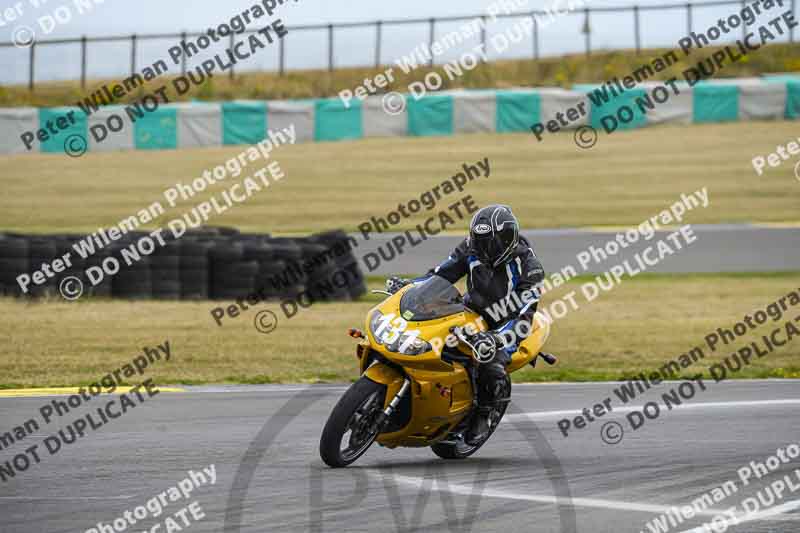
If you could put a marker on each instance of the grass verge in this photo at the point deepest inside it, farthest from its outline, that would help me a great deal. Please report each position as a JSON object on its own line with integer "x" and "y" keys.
{"x": 626, "y": 178}
{"x": 634, "y": 328}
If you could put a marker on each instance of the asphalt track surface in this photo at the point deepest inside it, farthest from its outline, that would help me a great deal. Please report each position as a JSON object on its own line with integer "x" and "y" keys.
{"x": 718, "y": 248}
{"x": 263, "y": 442}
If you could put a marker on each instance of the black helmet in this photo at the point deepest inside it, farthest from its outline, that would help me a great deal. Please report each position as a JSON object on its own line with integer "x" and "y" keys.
{"x": 494, "y": 234}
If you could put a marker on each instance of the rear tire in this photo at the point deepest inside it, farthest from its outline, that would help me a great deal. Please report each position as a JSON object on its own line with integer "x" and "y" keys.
{"x": 354, "y": 413}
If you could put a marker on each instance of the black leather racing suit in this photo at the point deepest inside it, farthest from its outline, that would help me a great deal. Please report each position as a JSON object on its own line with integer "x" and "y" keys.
{"x": 490, "y": 293}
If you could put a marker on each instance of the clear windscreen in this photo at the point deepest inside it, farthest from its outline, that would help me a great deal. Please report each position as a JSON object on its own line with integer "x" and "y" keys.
{"x": 433, "y": 298}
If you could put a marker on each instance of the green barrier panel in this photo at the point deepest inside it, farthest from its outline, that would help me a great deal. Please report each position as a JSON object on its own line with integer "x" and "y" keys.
{"x": 793, "y": 99}
{"x": 620, "y": 112}
{"x": 244, "y": 122}
{"x": 333, "y": 121}
{"x": 430, "y": 115}
{"x": 517, "y": 111}
{"x": 715, "y": 103}
{"x": 156, "y": 130}
{"x": 76, "y": 125}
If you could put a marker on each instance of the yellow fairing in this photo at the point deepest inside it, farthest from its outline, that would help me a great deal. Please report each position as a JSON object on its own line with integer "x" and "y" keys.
{"x": 387, "y": 376}
{"x": 440, "y": 393}
{"x": 439, "y": 401}
{"x": 532, "y": 345}
{"x": 440, "y": 329}
{"x": 430, "y": 330}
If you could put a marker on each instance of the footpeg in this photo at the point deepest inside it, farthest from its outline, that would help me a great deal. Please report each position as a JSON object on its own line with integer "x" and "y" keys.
{"x": 549, "y": 358}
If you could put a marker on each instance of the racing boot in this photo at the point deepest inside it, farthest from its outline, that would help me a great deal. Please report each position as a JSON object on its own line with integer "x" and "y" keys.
{"x": 479, "y": 430}
{"x": 492, "y": 380}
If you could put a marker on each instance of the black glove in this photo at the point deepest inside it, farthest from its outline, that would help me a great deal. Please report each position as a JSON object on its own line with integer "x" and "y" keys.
{"x": 394, "y": 284}
{"x": 486, "y": 344}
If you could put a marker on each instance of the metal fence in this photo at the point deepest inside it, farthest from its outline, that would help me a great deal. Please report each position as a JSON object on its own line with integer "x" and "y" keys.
{"x": 634, "y": 11}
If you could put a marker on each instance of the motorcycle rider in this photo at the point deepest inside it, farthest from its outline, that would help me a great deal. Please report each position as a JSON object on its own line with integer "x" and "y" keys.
{"x": 497, "y": 261}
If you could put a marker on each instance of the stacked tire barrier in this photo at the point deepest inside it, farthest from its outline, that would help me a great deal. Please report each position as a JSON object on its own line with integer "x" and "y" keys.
{"x": 209, "y": 263}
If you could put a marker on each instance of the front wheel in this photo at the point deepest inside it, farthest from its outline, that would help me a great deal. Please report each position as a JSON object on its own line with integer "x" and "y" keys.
{"x": 351, "y": 428}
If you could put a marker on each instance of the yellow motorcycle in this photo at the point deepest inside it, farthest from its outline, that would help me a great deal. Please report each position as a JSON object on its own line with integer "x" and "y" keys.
{"x": 418, "y": 363}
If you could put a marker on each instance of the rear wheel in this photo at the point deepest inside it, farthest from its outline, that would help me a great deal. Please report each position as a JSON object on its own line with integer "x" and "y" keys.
{"x": 351, "y": 428}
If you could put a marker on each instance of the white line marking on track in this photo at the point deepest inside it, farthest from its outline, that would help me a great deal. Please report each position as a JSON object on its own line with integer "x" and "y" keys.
{"x": 657, "y": 509}
{"x": 257, "y": 390}
{"x": 464, "y": 490}
{"x": 767, "y": 514}
{"x": 64, "y": 498}
{"x": 650, "y": 508}
{"x": 618, "y": 382}
{"x": 534, "y": 415}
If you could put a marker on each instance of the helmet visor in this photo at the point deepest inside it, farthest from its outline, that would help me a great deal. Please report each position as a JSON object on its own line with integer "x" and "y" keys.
{"x": 491, "y": 246}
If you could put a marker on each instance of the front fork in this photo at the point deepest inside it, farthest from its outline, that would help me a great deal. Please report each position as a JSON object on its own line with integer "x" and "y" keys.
{"x": 382, "y": 418}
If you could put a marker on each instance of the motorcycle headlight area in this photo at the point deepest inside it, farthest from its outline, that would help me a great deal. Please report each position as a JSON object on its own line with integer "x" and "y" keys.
{"x": 387, "y": 334}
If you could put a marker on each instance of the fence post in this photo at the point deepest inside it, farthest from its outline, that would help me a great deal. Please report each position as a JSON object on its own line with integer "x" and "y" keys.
{"x": 230, "y": 75}
{"x": 588, "y": 32}
{"x": 183, "y": 56}
{"x": 281, "y": 56}
{"x": 378, "y": 31}
{"x": 133, "y": 54}
{"x": 330, "y": 47}
{"x": 535, "y": 36}
{"x": 483, "y": 38}
{"x": 688, "y": 18}
{"x": 32, "y": 60}
{"x": 636, "y": 28}
{"x": 83, "y": 62}
{"x": 744, "y": 24}
{"x": 431, "y": 35}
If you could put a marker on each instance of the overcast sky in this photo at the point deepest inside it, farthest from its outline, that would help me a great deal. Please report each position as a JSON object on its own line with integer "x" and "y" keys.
{"x": 308, "y": 49}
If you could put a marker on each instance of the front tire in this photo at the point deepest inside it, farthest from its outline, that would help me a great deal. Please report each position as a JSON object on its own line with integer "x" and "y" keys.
{"x": 354, "y": 414}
